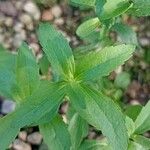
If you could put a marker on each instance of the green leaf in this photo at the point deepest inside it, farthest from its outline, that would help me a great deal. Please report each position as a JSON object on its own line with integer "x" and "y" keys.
{"x": 143, "y": 120}
{"x": 7, "y": 136}
{"x": 101, "y": 63}
{"x": 130, "y": 126}
{"x": 8, "y": 85}
{"x": 135, "y": 146}
{"x": 101, "y": 112}
{"x": 44, "y": 65}
{"x": 57, "y": 51}
{"x": 122, "y": 80}
{"x": 133, "y": 111}
{"x": 47, "y": 97}
{"x": 99, "y": 6}
{"x": 89, "y": 3}
{"x": 126, "y": 33}
{"x": 56, "y": 135}
{"x": 140, "y": 8}
{"x": 94, "y": 145}
{"x": 27, "y": 72}
{"x": 78, "y": 129}
{"x": 7, "y": 60}
{"x": 88, "y": 27}
{"x": 114, "y": 8}
{"x": 145, "y": 142}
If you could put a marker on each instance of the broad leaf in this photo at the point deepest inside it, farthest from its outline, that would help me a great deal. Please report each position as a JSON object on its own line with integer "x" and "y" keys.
{"x": 57, "y": 50}
{"x": 88, "y": 27}
{"x": 101, "y": 112}
{"x": 126, "y": 33}
{"x": 56, "y": 135}
{"x": 101, "y": 63}
{"x": 8, "y": 85}
{"x": 140, "y": 8}
{"x": 27, "y": 72}
{"x": 114, "y": 8}
{"x": 94, "y": 145}
{"x": 143, "y": 120}
{"x": 145, "y": 142}
{"x": 78, "y": 129}
{"x": 47, "y": 97}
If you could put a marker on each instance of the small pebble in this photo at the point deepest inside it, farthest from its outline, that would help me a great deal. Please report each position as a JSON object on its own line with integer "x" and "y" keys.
{"x": 26, "y": 19}
{"x": 17, "y": 40}
{"x": 22, "y": 135}
{"x": 8, "y": 21}
{"x": 20, "y": 145}
{"x": 56, "y": 11}
{"x": 59, "y": 21}
{"x": 47, "y": 15}
{"x": 8, "y": 8}
{"x": 35, "y": 47}
{"x": 7, "y": 106}
{"x": 144, "y": 41}
{"x": 18, "y": 27}
{"x": 19, "y": 5}
{"x": 32, "y": 9}
{"x": 35, "y": 138}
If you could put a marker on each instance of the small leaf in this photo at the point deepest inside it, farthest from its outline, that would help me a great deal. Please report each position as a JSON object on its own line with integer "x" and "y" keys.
{"x": 100, "y": 7}
{"x": 126, "y": 33}
{"x": 47, "y": 97}
{"x": 94, "y": 145}
{"x": 140, "y": 8}
{"x": 44, "y": 65}
{"x": 78, "y": 129}
{"x": 135, "y": 146}
{"x": 122, "y": 80}
{"x": 101, "y": 112}
{"x": 56, "y": 135}
{"x": 27, "y": 72}
{"x": 114, "y": 8}
{"x": 130, "y": 126}
{"x": 143, "y": 141}
{"x": 133, "y": 111}
{"x": 101, "y": 63}
{"x": 57, "y": 51}
{"x": 143, "y": 120}
{"x": 88, "y": 27}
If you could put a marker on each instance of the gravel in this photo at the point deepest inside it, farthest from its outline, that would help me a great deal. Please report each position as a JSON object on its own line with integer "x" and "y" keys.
{"x": 20, "y": 145}
{"x": 35, "y": 138}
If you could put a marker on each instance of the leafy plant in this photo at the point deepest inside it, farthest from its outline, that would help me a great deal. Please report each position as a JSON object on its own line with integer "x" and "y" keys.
{"x": 37, "y": 101}
{"x": 96, "y": 30}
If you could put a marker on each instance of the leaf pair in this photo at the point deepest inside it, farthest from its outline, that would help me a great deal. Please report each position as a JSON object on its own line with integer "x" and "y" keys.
{"x": 139, "y": 126}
